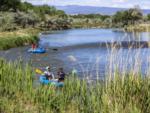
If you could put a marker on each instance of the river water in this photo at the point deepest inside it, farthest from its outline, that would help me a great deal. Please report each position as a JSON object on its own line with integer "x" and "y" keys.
{"x": 80, "y": 49}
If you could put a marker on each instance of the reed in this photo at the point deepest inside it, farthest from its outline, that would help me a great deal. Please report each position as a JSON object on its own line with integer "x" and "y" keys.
{"x": 127, "y": 93}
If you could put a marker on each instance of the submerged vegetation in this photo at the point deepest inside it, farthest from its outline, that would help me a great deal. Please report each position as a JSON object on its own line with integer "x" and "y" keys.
{"x": 129, "y": 93}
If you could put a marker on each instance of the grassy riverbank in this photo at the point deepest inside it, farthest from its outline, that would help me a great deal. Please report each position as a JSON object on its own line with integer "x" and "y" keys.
{"x": 123, "y": 94}
{"x": 18, "y": 38}
{"x": 145, "y": 27}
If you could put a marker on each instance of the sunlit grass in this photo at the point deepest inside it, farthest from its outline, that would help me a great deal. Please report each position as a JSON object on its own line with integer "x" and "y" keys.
{"x": 17, "y": 38}
{"x": 145, "y": 27}
{"x": 122, "y": 94}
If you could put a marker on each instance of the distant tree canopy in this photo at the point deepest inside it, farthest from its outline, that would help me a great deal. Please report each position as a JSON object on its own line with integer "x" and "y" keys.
{"x": 6, "y": 5}
{"x": 16, "y": 14}
{"x": 90, "y": 16}
{"x": 128, "y": 17}
{"x": 17, "y": 5}
{"x": 26, "y": 6}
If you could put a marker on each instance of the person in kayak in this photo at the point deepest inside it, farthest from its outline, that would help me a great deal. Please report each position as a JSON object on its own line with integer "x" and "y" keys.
{"x": 61, "y": 75}
{"x": 34, "y": 46}
{"x": 48, "y": 74}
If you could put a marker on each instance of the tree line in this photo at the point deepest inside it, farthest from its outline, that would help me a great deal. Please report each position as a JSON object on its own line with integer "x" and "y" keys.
{"x": 131, "y": 16}
{"x": 15, "y": 14}
{"x": 17, "y": 5}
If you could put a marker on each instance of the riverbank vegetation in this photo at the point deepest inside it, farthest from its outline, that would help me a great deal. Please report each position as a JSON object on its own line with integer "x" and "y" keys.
{"x": 129, "y": 93}
{"x": 21, "y": 23}
{"x": 90, "y": 21}
{"x": 18, "y": 38}
{"x": 24, "y": 15}
{"x": 130, "y": 20}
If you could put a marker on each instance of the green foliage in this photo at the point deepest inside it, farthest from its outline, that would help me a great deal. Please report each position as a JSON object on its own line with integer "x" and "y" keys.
{"x": 57, "y": 24}
{"x": 26, "y": 6}
{"x": 49, "y": 18}
{"x": 148, "y": 17}
{"x": 23, "y": 19}
{"x": 45, "y": 9}
{"x": 28, "y": 15}
{"x": 9, "y": 42}
{"x": 91, "y": 16}
{"x": 123, "y": 94}
{"x": 90, "y": 20}
{"x": 10, "y": 21}
{"x": 61, "y": 13}
{"x": 18, "y": 38}
{"x": 127, "y": 17}
{"x": 6, "y": 5}
{"x": 7, "y": 21}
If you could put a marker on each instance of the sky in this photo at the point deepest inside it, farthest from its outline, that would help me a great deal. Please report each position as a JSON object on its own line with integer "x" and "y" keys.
{"x": 144, "y": 4}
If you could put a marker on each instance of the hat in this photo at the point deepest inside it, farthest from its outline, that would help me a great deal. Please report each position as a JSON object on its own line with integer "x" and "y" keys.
{"x": 48, "y": 67}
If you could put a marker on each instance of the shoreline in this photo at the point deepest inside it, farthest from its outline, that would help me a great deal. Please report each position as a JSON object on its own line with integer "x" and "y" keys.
{"x": 18, "y": 38}
{"x": 24, "y": 37}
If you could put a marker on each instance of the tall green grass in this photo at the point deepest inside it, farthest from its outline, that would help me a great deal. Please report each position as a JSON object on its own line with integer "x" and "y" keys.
{"x": 18, "y": 38}
{"x": 7, "y": 43}
{"x": 129, "y": 93}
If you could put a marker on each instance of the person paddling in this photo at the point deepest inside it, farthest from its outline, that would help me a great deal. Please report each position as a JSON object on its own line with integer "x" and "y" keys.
{"x": 61, "y": 75}
{"x": 34, "y": 46}
{"x": 48, "y": 74}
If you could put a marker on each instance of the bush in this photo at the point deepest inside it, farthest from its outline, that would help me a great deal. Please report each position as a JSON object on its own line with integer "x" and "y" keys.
{"x": 27, "y": 19}
{"x": 7, "y": 21}
{"x": 127, "y": 17}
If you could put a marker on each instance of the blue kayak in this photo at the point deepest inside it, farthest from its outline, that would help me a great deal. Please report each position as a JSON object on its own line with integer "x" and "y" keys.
{"x": 43, "y": 80}
{"x": 37, "y": 50}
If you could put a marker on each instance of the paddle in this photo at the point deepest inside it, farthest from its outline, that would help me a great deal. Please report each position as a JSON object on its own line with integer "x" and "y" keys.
{"x": 39, "y": 71}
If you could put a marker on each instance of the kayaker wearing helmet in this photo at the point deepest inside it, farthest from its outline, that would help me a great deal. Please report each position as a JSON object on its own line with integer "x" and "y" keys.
{"x": 48, "y": 74}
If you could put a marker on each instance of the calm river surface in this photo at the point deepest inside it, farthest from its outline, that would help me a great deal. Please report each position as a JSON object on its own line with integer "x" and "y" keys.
{"x": 79, "y": 49}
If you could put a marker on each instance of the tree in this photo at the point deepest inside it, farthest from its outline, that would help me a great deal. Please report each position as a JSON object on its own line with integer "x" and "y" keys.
{"x": 26, "y": 6}
{"x": 127, "y": 17}
{"x": 61, "y": 13}
{"x": 135, "y": 15}
{"x": 26, "y": 19}
{"x": 6, "y": 5}
{"x": 7, "y": 21}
